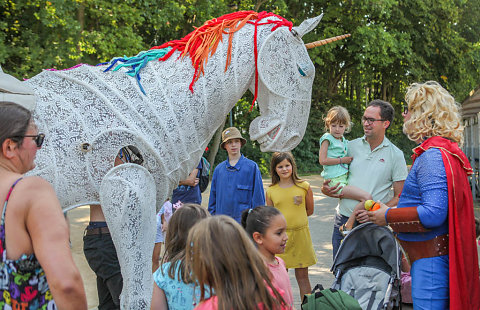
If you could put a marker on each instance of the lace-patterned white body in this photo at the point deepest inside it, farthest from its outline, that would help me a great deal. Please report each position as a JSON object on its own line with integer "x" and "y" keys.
{"x": 170, "y": 126}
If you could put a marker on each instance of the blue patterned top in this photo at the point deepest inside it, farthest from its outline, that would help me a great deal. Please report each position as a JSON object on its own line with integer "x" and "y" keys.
{"x": 180, "y": 295}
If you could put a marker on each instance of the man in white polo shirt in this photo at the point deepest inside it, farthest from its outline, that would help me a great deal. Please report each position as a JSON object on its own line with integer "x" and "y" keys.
{"x": 377, "y": 166}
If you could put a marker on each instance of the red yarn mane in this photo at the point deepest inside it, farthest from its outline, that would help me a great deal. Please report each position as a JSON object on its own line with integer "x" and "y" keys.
{"x": 204, "y": 40}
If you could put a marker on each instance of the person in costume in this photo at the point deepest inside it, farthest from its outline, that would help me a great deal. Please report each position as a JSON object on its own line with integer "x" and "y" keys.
{"x": 434, "y": 219}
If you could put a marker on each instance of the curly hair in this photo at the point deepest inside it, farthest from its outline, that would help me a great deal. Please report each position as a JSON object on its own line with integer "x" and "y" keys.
{"x": 433, "y": 111}
{"x": 338, "y": 114}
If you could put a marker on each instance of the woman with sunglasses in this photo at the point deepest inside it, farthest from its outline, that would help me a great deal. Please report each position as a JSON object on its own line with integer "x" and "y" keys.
{"x": 434, "y": 219}
{"x": 34, "y": 235}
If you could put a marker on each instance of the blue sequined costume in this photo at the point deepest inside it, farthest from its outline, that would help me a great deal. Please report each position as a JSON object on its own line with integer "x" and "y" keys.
{"x": 426, "y": 188}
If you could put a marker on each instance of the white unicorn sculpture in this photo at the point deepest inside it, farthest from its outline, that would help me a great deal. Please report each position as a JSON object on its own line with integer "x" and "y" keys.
{"x": 88, "y": 115}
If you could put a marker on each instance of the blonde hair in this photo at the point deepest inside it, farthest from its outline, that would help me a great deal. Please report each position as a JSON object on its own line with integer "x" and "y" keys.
{"x": 222, "y": 256}
{"x": 433, "y": 111}
{"x": 338, "y": 114}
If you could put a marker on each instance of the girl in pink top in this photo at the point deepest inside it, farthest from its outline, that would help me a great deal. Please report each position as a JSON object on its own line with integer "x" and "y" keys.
{"x": 221, "y": 256}
{"x": 268, "y": 229}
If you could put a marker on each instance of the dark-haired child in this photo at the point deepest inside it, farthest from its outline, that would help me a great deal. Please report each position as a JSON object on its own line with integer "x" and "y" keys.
{"x": 268, "y": 229}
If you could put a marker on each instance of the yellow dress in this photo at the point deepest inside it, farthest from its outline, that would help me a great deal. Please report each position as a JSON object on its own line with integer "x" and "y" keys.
{"x": 290, "y": 201}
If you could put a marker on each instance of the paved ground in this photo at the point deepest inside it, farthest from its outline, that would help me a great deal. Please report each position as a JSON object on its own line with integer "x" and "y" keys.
{"x": 320, "y": 227}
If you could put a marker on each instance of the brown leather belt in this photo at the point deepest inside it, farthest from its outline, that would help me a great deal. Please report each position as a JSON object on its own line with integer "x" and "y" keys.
{"x": 415, "y": 250}
{"x": 97, "y": 231}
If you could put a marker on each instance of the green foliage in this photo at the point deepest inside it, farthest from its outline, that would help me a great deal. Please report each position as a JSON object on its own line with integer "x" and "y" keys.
{"x": 393, "y": 44}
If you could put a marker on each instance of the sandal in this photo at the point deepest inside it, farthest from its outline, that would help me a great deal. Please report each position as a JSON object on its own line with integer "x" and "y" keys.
{"x": 343, "y": 230}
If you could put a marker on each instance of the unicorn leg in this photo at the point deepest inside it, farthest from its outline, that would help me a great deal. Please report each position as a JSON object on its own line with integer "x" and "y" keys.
{"x": 128, "y": 198}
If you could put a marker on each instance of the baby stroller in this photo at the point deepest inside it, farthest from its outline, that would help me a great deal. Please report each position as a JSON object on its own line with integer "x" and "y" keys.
{"x": 367, "y": 266}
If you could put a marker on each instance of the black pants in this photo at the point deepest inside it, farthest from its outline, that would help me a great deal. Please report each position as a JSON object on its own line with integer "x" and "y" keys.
{"x": 102, "y": 258}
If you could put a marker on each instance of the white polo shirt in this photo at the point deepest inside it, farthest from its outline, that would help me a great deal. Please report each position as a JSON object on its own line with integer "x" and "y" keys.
{"x": 373, "y": 171}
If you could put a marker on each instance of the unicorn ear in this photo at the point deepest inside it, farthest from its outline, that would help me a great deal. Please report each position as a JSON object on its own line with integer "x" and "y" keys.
{"x": 307, "y": 26}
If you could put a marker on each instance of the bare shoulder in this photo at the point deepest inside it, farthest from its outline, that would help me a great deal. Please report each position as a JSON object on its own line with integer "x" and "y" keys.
{"x": 36, "y": 184}
{"x": 40, "y": 192}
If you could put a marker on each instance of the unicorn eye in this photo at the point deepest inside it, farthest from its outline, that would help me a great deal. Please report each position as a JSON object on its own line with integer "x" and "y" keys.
{"x": 304, "y": 69}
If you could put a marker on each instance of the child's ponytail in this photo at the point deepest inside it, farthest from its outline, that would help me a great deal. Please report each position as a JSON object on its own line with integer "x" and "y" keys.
{"x": 258, "y": 219}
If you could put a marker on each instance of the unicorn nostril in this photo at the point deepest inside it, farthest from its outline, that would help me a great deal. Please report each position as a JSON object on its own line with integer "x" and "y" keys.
{"x": 273, "y": 133}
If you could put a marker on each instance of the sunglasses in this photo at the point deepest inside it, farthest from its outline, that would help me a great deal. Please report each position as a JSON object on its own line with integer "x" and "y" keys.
{"x": 37, "y": 138}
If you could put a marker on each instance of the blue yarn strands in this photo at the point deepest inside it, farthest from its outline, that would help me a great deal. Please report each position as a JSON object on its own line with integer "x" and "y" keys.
{"x": 137, "y": 63}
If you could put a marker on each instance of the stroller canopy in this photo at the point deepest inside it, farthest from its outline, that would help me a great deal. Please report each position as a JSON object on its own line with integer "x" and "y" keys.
{"x": 368, "y": 239}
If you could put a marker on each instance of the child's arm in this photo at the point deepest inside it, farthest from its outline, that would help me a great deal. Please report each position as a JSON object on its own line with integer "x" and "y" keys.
{"x": 309, "y": 201}
{"x": 159, "y": 300}
{"x": 351, "y": 220}
{"x": 164, "y": 222}
{"x": 269, "y": 201}
{"x": 328, "y": 161}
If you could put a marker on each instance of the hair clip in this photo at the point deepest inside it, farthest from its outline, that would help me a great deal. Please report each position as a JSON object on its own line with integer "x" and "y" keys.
{"x": 250, "y": 211}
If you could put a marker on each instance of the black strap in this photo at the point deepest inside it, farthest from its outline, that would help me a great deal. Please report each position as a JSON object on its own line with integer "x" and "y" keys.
{"x": 352, "y": 292}
{"x": 372, "y": 299}
{"x": 318, "y": 287}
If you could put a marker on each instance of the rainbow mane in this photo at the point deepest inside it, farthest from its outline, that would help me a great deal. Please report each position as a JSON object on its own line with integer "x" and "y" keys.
{"x": 201, "y": 42}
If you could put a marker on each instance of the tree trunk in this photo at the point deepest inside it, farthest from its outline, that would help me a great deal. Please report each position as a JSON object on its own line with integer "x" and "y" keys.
{"x": 216, "y": 143}
{"x": 81, "y": 22}
{"x": 259, "y": 4}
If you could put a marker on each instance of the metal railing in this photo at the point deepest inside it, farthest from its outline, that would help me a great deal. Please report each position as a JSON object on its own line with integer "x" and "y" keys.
{"x": 471, "y": 148}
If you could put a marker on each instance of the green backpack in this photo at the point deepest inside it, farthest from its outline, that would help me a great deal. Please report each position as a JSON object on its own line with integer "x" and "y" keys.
{"x": 325, "y": 299}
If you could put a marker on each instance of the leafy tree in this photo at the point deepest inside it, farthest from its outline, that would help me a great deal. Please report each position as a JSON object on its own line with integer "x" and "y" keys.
{"x": 393, "y": 44}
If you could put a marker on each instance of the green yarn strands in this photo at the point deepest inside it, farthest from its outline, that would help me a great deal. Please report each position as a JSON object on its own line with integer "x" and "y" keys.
{"x": 137, "y": 62}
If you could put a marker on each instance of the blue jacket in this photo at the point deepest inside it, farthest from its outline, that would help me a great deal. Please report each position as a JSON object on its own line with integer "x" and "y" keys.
{"x": 236, "y": 188}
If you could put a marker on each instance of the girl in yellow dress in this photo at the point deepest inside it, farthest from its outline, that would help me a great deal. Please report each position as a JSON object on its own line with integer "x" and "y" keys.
{"x": 294, "y": 198}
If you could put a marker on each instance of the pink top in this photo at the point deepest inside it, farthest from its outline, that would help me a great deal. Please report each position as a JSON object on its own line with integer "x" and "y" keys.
{"x": 281, "y": 280}
{"x": 212, "y": 303}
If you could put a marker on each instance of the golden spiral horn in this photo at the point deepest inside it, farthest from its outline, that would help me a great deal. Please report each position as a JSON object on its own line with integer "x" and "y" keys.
{"x": 326, "y": 41}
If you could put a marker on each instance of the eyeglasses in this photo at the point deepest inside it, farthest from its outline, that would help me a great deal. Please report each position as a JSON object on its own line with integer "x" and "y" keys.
{"x": 370, "y": 121}
{"x": 405, "y": 108}
{"x": 38, "y": 138}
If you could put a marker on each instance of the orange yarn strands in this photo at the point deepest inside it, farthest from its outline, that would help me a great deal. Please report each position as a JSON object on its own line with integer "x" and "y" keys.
{"x": 204, "y": 40}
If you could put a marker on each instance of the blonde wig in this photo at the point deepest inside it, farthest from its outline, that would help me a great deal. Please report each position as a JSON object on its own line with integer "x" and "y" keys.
{"x": 433, "y": 112}
{"x": 222, "y": 256}
{"x": 338, "y": 114}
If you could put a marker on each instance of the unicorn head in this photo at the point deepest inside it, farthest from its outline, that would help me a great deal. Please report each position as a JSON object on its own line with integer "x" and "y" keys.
{"x": 286, "y": 76}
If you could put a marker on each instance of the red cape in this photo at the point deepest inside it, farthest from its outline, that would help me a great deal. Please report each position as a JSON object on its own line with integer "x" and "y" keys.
{"x": 463, "y": 266}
